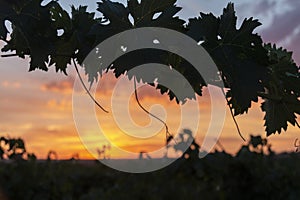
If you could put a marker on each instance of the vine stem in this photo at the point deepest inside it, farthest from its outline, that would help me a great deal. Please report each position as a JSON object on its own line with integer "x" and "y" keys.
{"x": 86, "y": 89}
{"x": 233, "y": 117}
{"x": 168, "y": 134}
{"x": 295, "y": 143}
{"x": 8, "y": 55}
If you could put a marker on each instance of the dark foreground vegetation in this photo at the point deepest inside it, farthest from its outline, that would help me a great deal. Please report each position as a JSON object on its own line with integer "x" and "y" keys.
{"x": 254, "y": 173}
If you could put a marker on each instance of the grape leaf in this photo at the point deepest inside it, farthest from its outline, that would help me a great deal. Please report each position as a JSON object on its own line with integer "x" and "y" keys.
{"x": 238, "y": 53}
{"x": 35, "y": 34}
{"x": 143, "y": 15}
{"x": 27, "y": 18}
{"x": 280, "y": 112}
{"x": 282, "y": 90}
{"x": 65, "y": 45}
{"x": 76, "y": 42}
{"x": 83, "y": 22}
{"x": 126, "y": 63}
{"x": 5, "y": 11}
{"x": 283, "y": 69}
{"x": 115, "y": 12}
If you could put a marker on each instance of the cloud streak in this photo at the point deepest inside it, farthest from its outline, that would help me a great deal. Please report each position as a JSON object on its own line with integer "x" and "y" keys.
{"x": 64, "y": 86}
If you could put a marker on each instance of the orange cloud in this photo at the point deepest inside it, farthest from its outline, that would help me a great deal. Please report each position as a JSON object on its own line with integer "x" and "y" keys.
{"x": 63, "y": 86}
{"x": 11, "y": 85}
{"x": 62, "y": 105}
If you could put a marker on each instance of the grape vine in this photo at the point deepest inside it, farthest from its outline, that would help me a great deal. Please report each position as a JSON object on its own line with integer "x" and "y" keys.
{"x": 250, "y": 69}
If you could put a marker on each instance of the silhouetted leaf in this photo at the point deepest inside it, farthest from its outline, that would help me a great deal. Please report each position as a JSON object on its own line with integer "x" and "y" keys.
{"x": 5, "y": 11}
{"x": 283, "y": 90}
{"x": 26, "y": 40}
{"x": 238, "y": 53}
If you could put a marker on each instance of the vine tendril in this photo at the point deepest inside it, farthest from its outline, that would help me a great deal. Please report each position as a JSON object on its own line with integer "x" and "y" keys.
{"x": 169, "y": 136}
{"x": 86, "y": 89}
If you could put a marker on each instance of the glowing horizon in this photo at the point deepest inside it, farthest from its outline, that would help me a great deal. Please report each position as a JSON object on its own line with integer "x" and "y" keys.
{"x": 60, "y": 134}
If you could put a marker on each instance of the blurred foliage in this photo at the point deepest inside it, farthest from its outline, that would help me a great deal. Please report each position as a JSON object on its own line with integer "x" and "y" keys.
{"x": 14, "y": 149}
{"x": 251, "y": 174}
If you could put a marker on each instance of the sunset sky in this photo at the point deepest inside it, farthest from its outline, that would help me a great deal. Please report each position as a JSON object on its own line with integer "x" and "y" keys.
{"x": 37, "y": 106}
